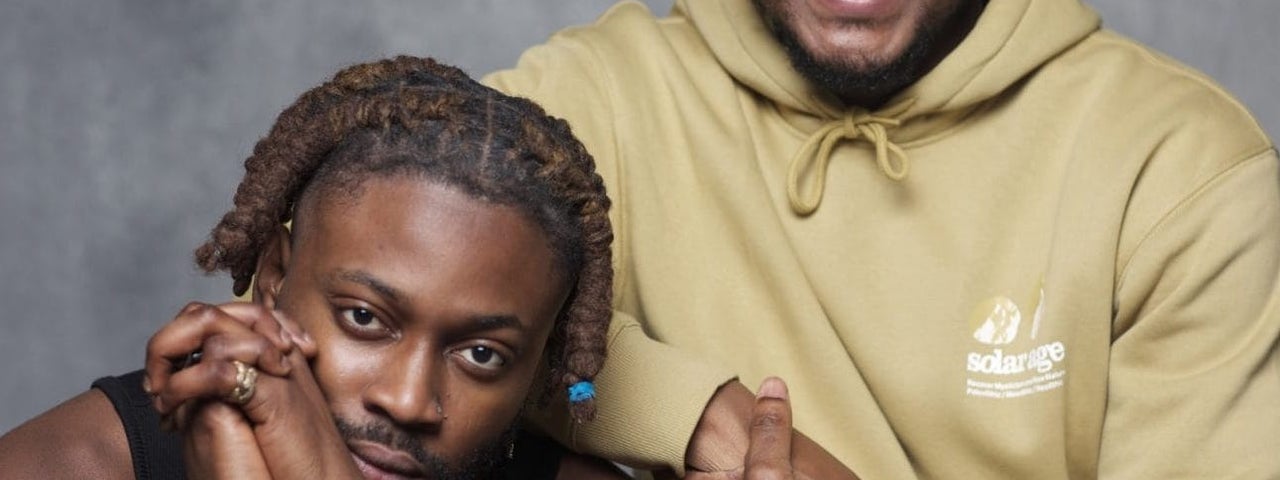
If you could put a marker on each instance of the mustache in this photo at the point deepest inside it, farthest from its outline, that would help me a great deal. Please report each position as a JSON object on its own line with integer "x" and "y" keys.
{"x": 390, "y": 437}
{"x": 486, "y": 461}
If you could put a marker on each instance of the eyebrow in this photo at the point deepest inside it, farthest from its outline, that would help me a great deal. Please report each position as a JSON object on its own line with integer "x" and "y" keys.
{"x": 475, "y": 323}
{"x": 364, "y": 278}
{"x": 481, "y": 323}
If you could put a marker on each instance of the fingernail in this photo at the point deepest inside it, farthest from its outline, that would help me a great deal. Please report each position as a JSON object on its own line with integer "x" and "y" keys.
{"x": 772, "y": 387}
{"x": 146, "y": 385}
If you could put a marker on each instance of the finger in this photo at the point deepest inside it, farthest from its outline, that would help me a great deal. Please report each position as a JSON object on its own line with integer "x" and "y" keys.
{"x": 217, "y": 369}
{"x": 301, "y": 338}
{"x": 262, "y": 320}
{"x": 183, "y": 335}
{"x": 197, "y": 322}
{"x": 205, "y": 380}
{"x": 769, "y": 454}
{"x": 219, "y": 443}
{"x": 211, "y": 418}
{"x": 265, "y": 322}
{"x": 298, "y": 364}
{"x": 250, "y": 348}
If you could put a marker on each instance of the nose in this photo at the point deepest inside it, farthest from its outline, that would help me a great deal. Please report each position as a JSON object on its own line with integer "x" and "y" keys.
{"x": 407, "y": 390}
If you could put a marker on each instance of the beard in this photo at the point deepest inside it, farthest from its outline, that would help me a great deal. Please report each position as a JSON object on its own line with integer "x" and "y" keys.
{"x": 868, "y": 84}
{"x": 485, "y": 462}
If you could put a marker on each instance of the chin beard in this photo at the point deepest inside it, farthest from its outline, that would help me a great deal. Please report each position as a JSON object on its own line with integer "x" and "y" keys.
{"x": 485, "y": 462}
{"x": 862, "y": 85}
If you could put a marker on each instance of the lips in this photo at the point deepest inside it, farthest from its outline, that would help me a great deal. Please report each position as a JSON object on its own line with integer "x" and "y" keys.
{"x": 862, "y": 10}
{"x": 377, "y": 462}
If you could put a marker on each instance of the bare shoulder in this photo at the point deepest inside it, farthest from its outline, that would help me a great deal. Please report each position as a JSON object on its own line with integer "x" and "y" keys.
{"x": 573, "y": 466}
{"x": 80, "y": 438}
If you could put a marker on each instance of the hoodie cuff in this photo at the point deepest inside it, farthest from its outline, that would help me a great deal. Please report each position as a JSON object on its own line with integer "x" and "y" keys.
{"x": 649, "y": 398}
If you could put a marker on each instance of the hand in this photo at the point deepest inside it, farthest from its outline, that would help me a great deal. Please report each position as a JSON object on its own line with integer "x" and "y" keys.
{"x": 723, "y": 440}
{"x": 288, "y": 424}
{"x": 294, "y": 427}
{"x": 218, "y": 441}
{"x": 243, "y": 332}
{"x": 283, "y": 429}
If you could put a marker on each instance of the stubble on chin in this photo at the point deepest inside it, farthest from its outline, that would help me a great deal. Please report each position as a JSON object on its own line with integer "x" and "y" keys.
{"x": 861, "y": 78}
{"x": 484, "y": 462}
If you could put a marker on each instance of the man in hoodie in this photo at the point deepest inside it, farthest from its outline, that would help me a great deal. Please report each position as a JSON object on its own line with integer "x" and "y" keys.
{"x": 978, "y": 239}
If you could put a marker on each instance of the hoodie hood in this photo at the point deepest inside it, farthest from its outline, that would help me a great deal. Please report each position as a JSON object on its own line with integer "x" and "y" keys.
{"x": 1009, "y": 41}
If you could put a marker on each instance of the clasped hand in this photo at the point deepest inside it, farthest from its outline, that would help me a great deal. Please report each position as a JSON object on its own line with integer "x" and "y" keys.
{"x": 283, "y": 430}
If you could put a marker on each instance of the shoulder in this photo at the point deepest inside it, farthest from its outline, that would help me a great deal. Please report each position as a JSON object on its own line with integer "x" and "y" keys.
{"x": 1160, "y": 128}
{"x": 1130, "y": 80}
{"x": 81, "y": 438}
{"x": 625, "y": 45}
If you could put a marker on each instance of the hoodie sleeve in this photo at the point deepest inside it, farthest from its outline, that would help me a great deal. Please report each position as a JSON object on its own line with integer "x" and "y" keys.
{"x": 1194, "y": 387}
{"x": 650, "y": 396}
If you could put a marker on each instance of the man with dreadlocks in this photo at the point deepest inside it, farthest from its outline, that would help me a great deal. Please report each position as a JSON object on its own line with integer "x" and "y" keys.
{"x": 449, "y": 246}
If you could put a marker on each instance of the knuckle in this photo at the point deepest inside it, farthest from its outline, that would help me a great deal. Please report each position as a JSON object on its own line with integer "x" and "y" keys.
{"x": 152, "y": 343}
{"x": 262, "y": 344}
{"x": 196, "y": 311}
{"x": 224, "y": 373}
{"x": 768, "y": 420}
{"x": 203, "y": 316}
{"x": 217, "y": 347}
{"x": 192, "y": 307}
{"x": 260, "y": 314}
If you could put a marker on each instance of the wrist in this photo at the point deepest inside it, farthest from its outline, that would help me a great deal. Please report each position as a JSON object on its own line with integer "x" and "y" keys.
{"x": 720, "y": 440}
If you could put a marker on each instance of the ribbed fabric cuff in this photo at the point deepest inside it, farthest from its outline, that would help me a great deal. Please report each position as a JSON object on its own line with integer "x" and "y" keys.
{"x": 650, "y": 397}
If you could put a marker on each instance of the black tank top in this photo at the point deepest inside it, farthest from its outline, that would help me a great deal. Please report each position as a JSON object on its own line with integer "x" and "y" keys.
{"x": 157, "y": 454}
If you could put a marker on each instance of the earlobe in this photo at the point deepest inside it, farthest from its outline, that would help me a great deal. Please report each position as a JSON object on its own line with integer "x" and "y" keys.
{"x": 272, "y": 264}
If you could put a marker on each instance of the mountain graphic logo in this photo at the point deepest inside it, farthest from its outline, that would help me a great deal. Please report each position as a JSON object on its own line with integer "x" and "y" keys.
{"x": 996, "y": 321}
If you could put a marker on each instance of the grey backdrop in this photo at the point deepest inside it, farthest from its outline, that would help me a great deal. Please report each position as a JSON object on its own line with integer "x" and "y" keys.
{"x": 123, "y": 125}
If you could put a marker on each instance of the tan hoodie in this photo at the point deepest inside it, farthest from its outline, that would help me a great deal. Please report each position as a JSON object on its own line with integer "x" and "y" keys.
{"x": 1054, "y": 256}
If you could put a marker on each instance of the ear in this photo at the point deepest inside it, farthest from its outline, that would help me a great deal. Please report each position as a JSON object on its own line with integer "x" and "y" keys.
{"x": 272, "y": 264}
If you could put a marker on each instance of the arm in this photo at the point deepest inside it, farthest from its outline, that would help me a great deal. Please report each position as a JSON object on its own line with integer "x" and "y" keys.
{"x": 1194, "y": 384}
{"x": 81, "y": 438}
{"x": 634, "y": 425}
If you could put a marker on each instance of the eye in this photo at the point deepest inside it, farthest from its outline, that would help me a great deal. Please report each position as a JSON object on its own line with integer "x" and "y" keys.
{"x": 483, "y": 357}
{"x": 362, "y": 319}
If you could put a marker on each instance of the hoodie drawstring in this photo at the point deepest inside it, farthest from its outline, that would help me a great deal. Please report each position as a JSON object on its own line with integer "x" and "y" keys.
{"x": 869, "y": 127}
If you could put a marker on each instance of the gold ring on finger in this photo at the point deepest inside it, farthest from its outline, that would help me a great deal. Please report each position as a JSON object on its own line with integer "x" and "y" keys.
{"x": 246, "y": 383}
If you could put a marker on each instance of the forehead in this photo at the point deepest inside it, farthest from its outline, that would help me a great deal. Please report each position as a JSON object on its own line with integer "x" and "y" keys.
{"x": 445, "y": 251}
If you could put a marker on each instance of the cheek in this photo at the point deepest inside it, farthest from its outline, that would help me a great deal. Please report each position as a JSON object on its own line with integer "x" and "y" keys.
{"x": 338, "y": 380}
{"x": 478, "y": 415}
{"x": 479, "y": 412}
{"x": 342, "y": 370}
